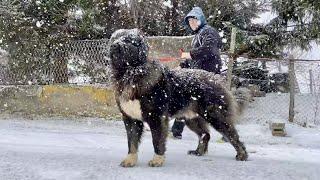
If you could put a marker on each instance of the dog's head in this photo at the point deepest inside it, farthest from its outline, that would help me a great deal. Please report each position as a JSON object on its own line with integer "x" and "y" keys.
{"x": 128, "y": 49}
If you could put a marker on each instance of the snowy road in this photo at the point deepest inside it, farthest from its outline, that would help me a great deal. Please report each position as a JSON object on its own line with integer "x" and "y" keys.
{"x": 57, "y": 148}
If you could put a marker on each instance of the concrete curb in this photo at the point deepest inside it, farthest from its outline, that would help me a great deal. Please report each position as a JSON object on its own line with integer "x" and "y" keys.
{"x": 65, "y": 100}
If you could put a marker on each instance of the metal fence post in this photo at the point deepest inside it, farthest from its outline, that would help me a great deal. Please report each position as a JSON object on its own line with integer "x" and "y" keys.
{"x": 311, "y": 81}
{"x": 292, "y": 89}
{"x": 232, "y": 58}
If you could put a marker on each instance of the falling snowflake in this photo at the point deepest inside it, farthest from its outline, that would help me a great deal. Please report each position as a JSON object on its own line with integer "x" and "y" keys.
{"x": 39, "y": 23}
{"x": 224, "y": 40}
{"x": 194, "y": 98}
{"x": 221, "y": 34}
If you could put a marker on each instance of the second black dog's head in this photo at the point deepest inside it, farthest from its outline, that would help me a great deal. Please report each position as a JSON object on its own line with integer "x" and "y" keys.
{"x": 128, "y": 49}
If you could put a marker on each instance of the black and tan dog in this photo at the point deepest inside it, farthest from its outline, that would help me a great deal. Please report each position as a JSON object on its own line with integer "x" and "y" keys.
{"x": 148, "y": 92}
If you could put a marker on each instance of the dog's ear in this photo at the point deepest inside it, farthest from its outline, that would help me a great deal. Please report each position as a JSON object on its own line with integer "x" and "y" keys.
{"x": 116, "y": 35}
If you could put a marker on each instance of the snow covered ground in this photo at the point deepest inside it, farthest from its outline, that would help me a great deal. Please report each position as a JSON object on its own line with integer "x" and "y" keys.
{"x": 61, "y": 148}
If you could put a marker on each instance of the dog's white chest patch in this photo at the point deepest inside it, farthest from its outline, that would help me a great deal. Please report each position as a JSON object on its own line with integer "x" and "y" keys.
{"x": 132, "y": 108}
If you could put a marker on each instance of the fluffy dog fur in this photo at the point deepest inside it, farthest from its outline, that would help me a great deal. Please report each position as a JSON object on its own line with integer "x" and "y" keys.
{"x": 149, "y": 92}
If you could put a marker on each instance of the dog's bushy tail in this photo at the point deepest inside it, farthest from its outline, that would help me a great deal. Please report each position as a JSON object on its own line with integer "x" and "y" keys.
{"x": 243, "y": 97}
{"x": 234, "y": 112}
{"x": 238, "y": 100}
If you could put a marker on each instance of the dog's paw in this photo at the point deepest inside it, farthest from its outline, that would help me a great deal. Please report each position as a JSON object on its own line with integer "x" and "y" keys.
{"x": 157, "y": 161}
{"x": 243, "y": 156}
{"x": 195, "y": 153}
{"x": 130, "y": 160}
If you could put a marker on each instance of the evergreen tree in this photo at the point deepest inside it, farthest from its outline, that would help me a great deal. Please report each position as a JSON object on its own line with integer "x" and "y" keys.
{"x": 296, "y": 25}
{"x": 32, "y": 35}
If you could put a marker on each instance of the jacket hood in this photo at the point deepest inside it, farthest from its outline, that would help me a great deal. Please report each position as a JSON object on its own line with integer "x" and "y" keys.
{"x": 198, "y": 14}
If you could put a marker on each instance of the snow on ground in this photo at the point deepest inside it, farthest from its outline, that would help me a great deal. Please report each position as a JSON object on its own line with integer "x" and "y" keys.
{"x": 68, "y": 148}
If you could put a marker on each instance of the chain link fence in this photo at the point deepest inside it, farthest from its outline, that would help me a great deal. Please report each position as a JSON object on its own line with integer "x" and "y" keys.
{"x": 274, "y": 88}
{"x": 88, "y": 62}
{"x": 77, "y": 62}
{"x": 268, "y": 81}
{"x": 307, "y": 100}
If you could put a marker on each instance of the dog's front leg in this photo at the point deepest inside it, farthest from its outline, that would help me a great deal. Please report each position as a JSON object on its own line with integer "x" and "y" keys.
{"x": 159, "y": 131}
{"x": 134, "y": 130}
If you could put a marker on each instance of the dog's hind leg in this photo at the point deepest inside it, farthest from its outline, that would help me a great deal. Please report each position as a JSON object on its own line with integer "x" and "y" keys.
{"x": 200, "y": 127}
{"x": 228, "y": 130}
{"x": 159, "y": 131}
{"x": 134, "y": 130}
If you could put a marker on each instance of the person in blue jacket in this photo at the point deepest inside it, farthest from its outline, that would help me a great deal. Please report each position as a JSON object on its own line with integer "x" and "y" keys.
{"x": 204, "y": 54}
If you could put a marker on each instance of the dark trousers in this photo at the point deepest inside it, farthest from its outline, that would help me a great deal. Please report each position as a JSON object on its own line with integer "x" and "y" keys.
{"x": 177, "y": 127}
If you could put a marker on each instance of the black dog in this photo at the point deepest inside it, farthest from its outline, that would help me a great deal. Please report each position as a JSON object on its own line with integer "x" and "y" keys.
{"x": 148, "y": 92}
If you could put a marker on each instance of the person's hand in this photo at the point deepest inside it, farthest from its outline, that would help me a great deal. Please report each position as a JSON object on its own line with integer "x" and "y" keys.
{"x": 185, "y": 55}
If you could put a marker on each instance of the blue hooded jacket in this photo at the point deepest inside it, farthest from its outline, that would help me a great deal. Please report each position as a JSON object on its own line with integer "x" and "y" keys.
{"x": 206, "y": 45}
{"x": 197, "y": 13}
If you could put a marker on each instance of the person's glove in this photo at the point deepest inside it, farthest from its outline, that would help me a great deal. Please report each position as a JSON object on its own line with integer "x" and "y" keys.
{"x": 186, "y": 64}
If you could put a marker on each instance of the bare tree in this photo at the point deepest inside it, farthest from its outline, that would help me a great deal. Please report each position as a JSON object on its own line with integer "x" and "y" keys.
{"x": 134, "y": 11}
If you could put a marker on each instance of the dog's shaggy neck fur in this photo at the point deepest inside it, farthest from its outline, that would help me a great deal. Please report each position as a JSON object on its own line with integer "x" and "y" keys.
{"x": 135, "y": 81}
